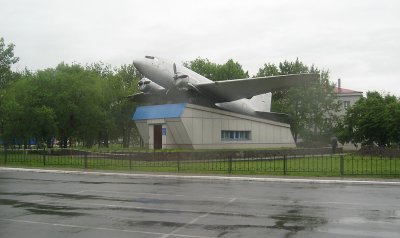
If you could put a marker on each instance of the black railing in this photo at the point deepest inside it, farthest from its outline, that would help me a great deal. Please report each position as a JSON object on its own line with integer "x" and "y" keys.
{"x": 231, "y": 163}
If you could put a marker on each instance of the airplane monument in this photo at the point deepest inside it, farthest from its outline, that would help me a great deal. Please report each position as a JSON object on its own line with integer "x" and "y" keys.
{"x": 228, "y": 112}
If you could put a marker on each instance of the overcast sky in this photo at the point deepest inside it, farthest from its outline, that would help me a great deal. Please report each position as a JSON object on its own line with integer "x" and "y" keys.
{"x": 357, "y": 41}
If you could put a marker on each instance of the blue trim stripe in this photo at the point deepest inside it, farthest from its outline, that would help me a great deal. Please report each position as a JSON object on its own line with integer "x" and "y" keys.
{"x": 159, "y": 111}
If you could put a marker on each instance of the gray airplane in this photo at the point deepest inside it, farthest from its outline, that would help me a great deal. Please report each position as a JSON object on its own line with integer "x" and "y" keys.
{"x": 166, "y": 82}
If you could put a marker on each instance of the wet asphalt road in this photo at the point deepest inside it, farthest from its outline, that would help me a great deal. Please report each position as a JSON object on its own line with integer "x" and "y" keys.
{"x": 64, "y": 205}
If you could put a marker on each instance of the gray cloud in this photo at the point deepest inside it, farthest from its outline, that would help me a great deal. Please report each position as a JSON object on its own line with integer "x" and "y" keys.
{"x": 356, "y": 40}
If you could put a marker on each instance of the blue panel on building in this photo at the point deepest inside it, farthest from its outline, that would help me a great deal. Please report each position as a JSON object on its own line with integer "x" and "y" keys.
{"x": 159, "y": 111}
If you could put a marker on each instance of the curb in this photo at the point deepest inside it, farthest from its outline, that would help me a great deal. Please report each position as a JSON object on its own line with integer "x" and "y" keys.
{"x": 211, "y": 177}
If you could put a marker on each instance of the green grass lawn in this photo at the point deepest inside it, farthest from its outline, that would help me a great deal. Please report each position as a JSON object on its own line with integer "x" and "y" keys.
{"x": 305, "y": 166}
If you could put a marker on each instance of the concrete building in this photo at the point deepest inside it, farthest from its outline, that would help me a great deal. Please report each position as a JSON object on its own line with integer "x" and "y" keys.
{"x": 192, "y": 126}
{"x": 347, "y": 97}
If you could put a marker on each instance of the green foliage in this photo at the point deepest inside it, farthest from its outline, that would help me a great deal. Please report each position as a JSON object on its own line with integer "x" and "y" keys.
{"x": 87, "y": 104}
{"x": 311, "y": 107}
{"x": 123, "y": 83}
{"x": 232, "y": 70}
{"x": 76, "y": 104}
{"x": 217, "y": 72}
{"x": 372, "y": 120}
{"x": 203, "y": 67}
{"x": 7, "y": 59}
{"x": 268, "y": 70}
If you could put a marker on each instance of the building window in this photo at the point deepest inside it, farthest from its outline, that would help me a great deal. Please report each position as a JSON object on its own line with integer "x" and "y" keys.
{"x": 235, "y": 135}
{"x": 346, "y": 104}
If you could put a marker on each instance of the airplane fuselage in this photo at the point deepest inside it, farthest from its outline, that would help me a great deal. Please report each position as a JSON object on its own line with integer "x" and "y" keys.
{"x": 161, "y": 72}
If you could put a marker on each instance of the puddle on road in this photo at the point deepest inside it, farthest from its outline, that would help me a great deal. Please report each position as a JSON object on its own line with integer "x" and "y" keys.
{"x": 155, "y": 224}
{"x": 292, "y": 221}
{"x": 295, "y": 220}
{"x": 142, "y": 200}
{"x": 56, "y": 195}
{"x": 52, "y": 181}
{"x": 43, "y": 209}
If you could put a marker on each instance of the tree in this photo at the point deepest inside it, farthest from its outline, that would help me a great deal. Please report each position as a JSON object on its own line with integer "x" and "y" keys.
{"x": 232, "y": 70}
{"x": 85, "y": 105}
{"x": 393, "y": 121}
{"x": 268, "y": 70}
{"x": 123, "y": 83}
{"x": 78, "y": 103}
{"x": 372, "y": 120}
{"x": 44, "y": 125}
{"x": 311, "y": 107}
{"x": 217, "y": 72}
{"x": 203, "y": 67}
{"x": 24, "y": 117}
{"x": 66, "y": 101}
{"x": 7, "y": 59}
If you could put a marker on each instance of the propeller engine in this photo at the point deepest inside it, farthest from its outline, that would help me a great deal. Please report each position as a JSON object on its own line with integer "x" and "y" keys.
{"x": 147, "y": 86}
{"x": 181, "y": 80}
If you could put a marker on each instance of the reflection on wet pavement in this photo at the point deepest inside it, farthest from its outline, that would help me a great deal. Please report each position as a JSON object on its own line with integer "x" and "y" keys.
{"x": 153, "y": 207}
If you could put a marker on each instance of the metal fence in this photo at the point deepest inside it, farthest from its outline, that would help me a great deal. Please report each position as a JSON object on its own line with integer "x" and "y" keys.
{"x": 321, "y": 165}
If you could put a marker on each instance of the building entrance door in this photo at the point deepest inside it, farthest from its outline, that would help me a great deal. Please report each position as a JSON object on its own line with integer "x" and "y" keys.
{"x": 157, "y": 137}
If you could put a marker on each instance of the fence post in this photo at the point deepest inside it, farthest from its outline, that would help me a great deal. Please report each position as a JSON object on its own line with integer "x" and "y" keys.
{"x": 5, "y": 155}
{"x": 230, "y": 165}
{"x": 284, "y": 165}
{"x": 341, "y": 165}
{"x": 178, "y": 162}
{"x": 44, "y": 158}
{"x": 85, "y": 161}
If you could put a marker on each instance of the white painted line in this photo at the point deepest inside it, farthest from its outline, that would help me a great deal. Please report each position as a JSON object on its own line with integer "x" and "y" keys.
{"x": 173, "y": 233}
{"x": 98, "y": 228}
{"x": 128, "y": 207}
{"x": 212, "y": 177}
{"x": 133, "y": 193}
{"x": 315, "y": 202}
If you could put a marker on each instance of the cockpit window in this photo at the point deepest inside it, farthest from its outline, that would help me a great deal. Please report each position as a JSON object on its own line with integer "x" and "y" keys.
{"x": 149, "y": 57}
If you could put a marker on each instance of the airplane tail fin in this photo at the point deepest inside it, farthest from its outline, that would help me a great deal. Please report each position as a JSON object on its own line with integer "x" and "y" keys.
{"x": 262, "y": 102}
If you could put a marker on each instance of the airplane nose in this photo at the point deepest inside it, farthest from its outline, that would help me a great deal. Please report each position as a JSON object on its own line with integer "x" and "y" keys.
{"x": 144, "y": 64}
{"x": 135, "y": 61}
{"x": 138, "y": 63}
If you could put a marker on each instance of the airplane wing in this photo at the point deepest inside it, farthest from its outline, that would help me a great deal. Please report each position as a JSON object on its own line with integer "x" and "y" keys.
{"x": 145, "y": 97}
{"x": 231, "y": 90}
{"x": 274, "y": 116}
{"x": 173, "y": 96}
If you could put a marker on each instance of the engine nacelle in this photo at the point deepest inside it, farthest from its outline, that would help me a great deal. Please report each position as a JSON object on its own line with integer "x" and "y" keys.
{"x": 182, "y": 82}
{"x": 147, "y": 86}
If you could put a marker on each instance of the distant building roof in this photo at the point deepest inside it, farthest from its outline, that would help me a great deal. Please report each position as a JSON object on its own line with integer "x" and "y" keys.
{"x": 345, "y": 91}
{"x": 159, "y": 111}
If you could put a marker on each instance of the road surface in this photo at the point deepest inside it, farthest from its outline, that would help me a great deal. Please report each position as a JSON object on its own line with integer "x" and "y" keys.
{"x": 41, "y": 205}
